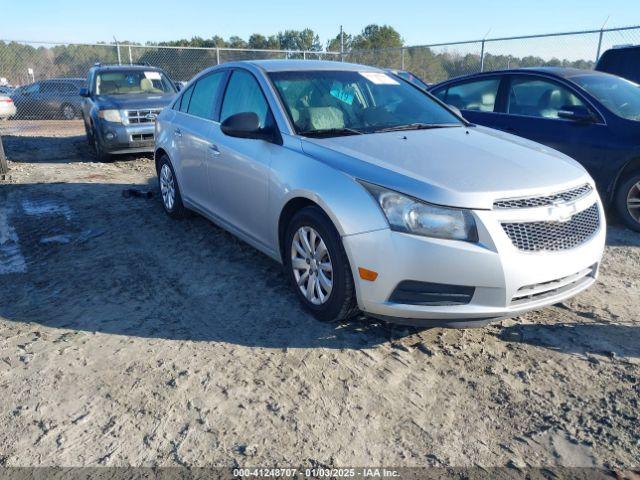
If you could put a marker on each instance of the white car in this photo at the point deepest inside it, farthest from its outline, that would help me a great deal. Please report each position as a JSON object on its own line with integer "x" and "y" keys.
{"x": 376, "y": 196}
{"x": 7, "y": 107}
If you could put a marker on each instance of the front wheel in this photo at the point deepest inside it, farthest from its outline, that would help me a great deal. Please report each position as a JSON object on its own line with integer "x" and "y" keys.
{"x": 628, "y": 201}
{"x": 317, "y": 266}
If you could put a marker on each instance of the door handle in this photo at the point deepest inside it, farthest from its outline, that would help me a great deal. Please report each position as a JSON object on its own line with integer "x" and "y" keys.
{"x": 214, "y": 150}
{"x": 177, "y": 132}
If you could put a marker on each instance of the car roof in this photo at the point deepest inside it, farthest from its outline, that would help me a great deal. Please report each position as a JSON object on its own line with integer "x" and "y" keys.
{"x": 59, "y": 79}
{"x": 561, "y": 72}
{"x": 125, "y": 67}
{"x": 307, "y": 65}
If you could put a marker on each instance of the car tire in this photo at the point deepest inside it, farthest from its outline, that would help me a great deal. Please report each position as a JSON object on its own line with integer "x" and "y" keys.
{"x": 169, "y": 189}
{"x": 98, "y": 150}
{"x": 311, "y": 270}
{"x": 68, "y": 111}
{"x": 627, "y": 201}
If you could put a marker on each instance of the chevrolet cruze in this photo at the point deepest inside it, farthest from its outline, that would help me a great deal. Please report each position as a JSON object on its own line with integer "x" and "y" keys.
{"x": 375, "y": 196}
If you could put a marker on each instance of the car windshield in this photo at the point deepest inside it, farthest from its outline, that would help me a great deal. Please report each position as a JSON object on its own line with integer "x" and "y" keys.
{"x": 133, "y": 82}
{"x": 332, "y": 103}
{"x": 620, "y": 96}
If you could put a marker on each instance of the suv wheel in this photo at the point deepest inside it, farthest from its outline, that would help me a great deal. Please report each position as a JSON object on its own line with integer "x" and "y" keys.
{"x": 628, "y": 201}
{"x": 169, "y": 189}
{"x": 68, "y": 112}
{"x": 101, "y": 155}
{"x": 317, "y": 266}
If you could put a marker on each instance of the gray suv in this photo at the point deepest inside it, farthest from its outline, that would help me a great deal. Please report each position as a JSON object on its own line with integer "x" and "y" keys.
{"x": 120, "y": 106}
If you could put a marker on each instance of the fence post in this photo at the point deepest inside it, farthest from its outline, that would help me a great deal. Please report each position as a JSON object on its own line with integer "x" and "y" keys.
{"x": 482, "y": 57}
{"x": 402, "y": 60}
{"x": 118, "y": 50}
{"x": 341, "y": 44}
{"x": 599, "y": 45}
{"x": 130, "y": 57}
{"x": 304, "y": 55}
{"x": 4, "y": 167}
{"x": 217, "y": 56}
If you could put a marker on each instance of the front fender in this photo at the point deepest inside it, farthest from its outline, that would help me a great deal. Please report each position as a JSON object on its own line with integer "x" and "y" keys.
{"x": 349, "y": 206}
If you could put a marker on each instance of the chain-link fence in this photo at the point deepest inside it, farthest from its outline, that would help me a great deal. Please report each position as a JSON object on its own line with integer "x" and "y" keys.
{"x": 42, "y": 106}
{"x": 438, "y": 62}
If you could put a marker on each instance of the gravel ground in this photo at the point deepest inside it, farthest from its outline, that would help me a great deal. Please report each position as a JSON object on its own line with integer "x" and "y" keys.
{"x": 127, "y": 338}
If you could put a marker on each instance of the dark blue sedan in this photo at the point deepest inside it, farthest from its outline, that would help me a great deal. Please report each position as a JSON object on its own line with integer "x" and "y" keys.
{"x": 591, "y": 116}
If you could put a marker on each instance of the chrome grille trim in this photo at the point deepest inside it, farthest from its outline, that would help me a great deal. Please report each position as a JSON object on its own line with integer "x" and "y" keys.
{"x": 540, "y": 291}
{"x": 142, "y": 116}
{"x": 544, "y": 201}
{"x": 549, "y": 236}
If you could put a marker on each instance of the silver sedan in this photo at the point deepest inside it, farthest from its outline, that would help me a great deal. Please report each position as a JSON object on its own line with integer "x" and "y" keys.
{"x": 375, "y": 196}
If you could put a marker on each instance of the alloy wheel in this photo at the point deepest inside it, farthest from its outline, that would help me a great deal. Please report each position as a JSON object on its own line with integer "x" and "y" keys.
{"x": 167, "y": 187}
{"x": 311, "y": 264}
{"x": 633, "y": 202}
{"x": 68, "y": 112}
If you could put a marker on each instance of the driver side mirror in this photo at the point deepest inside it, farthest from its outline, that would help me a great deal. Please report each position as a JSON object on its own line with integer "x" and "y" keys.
{"x": 246, "y": 125}
{"x": 84, "y": 92}
{"x": 577, "y": 113}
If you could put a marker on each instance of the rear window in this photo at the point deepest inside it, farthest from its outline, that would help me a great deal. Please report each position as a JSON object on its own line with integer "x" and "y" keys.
{"x": 624, "y": 62}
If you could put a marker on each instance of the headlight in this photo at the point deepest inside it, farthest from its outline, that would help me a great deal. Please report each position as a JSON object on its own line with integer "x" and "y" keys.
{"x": 406, "y": 214}
{"x": 110, "y": 115}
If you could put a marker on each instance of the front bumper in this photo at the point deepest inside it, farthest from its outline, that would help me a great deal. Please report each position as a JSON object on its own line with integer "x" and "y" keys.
{"x": 507, "y": 281}
{"x": 118, "y": 138}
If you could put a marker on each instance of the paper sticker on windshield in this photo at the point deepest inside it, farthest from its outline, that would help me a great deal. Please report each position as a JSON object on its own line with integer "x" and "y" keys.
{"x": 379, "y": 78}
{"x": 152, "y": 75}
{"x": 341, "y": 94}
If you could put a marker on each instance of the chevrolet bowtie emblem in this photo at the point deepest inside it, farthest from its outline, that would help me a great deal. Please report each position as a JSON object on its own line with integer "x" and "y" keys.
{"x": 150, "y": 116}
{"x": 562, "y": 212}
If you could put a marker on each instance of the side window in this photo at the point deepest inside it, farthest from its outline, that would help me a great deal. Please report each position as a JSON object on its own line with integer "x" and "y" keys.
{"x": 184, "y": 100}
{"x": 537, "y": 97}
{"x": 479, "y": 96}
{"x": 205, "y": 93}
{"x": 33, "y": 88}
{"x": 244, "y": 95}
{"x": 441, "y": 93}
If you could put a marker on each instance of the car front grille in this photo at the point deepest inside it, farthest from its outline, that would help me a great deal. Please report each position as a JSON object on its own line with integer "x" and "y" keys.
{"x": 540, "y": 291}
{"x": 544, "y": 201}
{"x": 141, "y": 137}
{"x": 550, "y": 236}
{"x": 142, "y": 116}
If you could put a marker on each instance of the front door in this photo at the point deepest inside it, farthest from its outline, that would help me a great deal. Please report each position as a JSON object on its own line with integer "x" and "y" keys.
{"x": 240, "y": 167}
{"x": 532, "y": 104}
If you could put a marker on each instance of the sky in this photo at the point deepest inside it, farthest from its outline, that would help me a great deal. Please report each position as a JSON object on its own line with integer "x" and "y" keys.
{"x": 418, "y": 21}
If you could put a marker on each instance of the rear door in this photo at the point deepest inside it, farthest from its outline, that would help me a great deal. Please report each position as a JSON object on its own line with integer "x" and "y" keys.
{"x": 193, "y": 134}
{"x": 531, "y": 106}
{"x": 476, "y": 99}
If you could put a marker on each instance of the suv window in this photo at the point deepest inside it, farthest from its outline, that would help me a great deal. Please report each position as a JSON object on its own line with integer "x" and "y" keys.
{"x": 33, "y": 88}
{"x": 478, "y": 95}
{"x": 205, "y": 93}
{"x": 123, "y": 82}
{"x": 244, "y": 95}
{"x": 537, "y": 97}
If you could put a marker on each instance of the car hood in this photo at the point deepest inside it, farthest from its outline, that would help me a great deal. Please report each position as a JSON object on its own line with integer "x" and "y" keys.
{"x": 126, "y": 102}
{"x": 459, "y": 167}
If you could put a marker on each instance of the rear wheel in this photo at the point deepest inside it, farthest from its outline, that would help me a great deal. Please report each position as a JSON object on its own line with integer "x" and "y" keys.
{"x": 169, "y": 189}
{"x": 318, "y": 267}
{"x": 628, "y": 201}
{"x": 68, "y": 111}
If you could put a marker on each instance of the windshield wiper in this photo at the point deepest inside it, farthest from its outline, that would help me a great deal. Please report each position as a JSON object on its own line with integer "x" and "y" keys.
{"x": 417, "y": 126}
{"x": 331, "y": 132}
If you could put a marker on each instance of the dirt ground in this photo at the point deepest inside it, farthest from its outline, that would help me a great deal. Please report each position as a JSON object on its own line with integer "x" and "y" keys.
{"x": 128, "y": 338}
